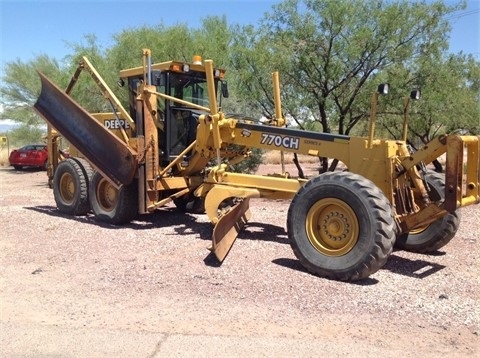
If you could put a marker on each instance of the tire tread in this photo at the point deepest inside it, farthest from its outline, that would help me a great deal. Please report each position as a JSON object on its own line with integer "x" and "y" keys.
{"x": 384, "y": 235}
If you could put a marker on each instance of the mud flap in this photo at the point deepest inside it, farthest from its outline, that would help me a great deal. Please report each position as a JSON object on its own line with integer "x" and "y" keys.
{"x": 228, "y": 227}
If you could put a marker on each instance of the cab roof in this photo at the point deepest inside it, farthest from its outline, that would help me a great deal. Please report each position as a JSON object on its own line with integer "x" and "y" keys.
{"x": 173, "y": 66}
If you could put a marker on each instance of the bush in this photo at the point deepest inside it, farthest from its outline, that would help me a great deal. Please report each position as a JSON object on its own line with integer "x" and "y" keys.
{"x": 26, "y": 134}
{"x": 250, "y": 164}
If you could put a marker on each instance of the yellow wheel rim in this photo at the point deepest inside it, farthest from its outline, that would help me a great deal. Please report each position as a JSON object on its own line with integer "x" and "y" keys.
{"x": 332, "y": 227}
{"x": 107, "y": 195}
{"x": 67, "y": 188}
{"x": 420, "y": 229}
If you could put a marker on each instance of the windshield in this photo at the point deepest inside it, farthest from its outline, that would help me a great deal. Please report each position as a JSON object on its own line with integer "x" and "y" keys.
{"x": 191, "y": 87}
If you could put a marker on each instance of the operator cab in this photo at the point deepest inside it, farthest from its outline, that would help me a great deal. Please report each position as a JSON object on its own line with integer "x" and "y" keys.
{"x": 177, "y": 122}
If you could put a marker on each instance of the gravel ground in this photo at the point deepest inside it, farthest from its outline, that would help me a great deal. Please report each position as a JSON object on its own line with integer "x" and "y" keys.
{"x": 153, "y": 282}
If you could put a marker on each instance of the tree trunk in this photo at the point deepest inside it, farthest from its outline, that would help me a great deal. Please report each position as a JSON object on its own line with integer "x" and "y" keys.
{"x": 323, "y": 165}
{"x": 333, "y": 165}
{"x": 301, "y": 175}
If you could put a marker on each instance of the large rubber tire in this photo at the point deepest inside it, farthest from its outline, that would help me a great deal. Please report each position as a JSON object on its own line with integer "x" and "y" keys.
{"x": 341, "y": 226}
{"x": 70, "y": 186}
{"x": 87, "y": 168}
{"x": 112, "y": 205}
{"x": 439, "y": 233}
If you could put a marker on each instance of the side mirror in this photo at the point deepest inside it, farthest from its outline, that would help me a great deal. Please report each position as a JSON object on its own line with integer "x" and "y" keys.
{"x": 383, "y": 88}
{"x": 415, "y": 94}
{"x": 224, "y": 88}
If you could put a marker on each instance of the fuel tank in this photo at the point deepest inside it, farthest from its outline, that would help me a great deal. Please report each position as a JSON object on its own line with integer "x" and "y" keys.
{"x": 103, "y": 149}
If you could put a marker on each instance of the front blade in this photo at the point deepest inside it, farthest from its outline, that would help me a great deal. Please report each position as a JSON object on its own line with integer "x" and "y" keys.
{"x": 228, "y": 227}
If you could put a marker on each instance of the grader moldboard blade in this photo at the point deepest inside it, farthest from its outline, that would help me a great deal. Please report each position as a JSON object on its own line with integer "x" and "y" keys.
{"x": 106, "y": 152}
{"x": 228, "y": 227}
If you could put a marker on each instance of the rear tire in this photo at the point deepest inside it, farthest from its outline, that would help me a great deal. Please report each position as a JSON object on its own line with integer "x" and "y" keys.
{"x": 87, "y": 168}
{"x": 439, "y": 233}
{"x": 341, "y": 226}
{"x": 70, "y": 186}
{"x": 17, "y": 167}
{"x": 112, "y": 205}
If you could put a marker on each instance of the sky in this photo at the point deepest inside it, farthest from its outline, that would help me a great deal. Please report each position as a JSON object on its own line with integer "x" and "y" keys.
{"x": 30, "y": 28}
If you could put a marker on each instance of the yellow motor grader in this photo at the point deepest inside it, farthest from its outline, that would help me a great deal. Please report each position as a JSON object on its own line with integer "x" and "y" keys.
{"x": 174, "y": 144}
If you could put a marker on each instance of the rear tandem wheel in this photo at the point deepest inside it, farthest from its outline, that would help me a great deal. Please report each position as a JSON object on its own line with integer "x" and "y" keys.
{"x": 70, "y": 186}
{"x": 112, "y": 205}
{"x": 341, "y": 226}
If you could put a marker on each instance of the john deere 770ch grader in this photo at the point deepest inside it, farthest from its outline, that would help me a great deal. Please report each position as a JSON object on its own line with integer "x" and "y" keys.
{"x": 174, "y": 144}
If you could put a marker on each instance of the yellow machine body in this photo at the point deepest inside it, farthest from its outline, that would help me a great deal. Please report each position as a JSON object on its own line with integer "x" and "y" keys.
{"x": 144, "y": 142}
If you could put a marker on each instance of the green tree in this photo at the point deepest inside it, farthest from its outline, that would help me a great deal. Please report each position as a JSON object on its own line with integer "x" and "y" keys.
{"x": 177, "y": 42}
{"x": 86, "y": 92}
{"x": 451, "y": 102}
{"x": 329, "y": 52}
{"x": 18, "y": 93}
{"x": 21, "y": 87}
{"x": 450, "y": 88}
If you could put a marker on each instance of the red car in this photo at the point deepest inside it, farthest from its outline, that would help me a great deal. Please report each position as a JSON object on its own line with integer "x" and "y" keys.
{"x": 32, "y": 155}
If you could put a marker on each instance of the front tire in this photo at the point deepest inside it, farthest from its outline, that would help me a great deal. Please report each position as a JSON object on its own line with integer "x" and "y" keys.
{"x": 341, "y": 226}
{"x": 70, "y": 186}
{"x": 112, "y": 205}
{"x": 432, "y": 237}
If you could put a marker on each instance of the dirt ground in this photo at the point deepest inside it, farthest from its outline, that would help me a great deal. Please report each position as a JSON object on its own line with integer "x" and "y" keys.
{"x": 73, "y": 287}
